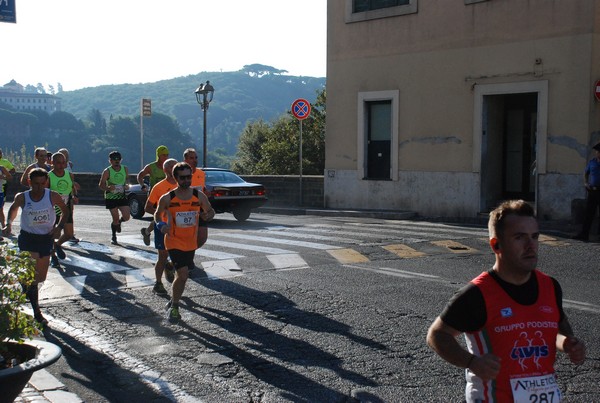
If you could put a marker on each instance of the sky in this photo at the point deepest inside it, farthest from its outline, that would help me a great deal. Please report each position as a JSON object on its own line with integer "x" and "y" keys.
{"x": 87, "y": 43}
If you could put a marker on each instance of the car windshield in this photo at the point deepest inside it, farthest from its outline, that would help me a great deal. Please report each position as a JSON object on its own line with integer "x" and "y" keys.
{"x": 222, "y": 177}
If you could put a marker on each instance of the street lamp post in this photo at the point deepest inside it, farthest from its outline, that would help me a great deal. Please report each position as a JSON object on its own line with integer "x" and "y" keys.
{"x": 204, "y": 95}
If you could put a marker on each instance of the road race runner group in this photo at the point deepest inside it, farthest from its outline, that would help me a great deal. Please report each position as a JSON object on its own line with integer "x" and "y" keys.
{"x": 512, "y": 315}
{"x": 181, "y": 211}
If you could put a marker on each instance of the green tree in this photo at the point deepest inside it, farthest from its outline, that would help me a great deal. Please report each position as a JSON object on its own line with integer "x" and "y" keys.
{"x": 261, "y": 69}
{"x": 273, "y": 148}
{"x": 280, "y": 152}
{"x": 97, "y": 122}
{"x": 64, "y": 122}
{"x": 249, "y": 152}
{"x": 15, "y": 128}
{"x": 122, "y": 134}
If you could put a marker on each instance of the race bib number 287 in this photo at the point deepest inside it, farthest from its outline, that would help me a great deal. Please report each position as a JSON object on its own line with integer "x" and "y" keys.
{"x": 535, "y": 389}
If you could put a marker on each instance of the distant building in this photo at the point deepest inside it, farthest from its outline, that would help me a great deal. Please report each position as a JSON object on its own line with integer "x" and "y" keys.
{"x": 446, "y": 108}
{"x": 14, "y": 94}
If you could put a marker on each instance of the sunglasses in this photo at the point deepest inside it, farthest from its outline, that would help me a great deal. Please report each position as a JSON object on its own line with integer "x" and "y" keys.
{"x": 115, "y": 159}
{"x": 184, "y": 177}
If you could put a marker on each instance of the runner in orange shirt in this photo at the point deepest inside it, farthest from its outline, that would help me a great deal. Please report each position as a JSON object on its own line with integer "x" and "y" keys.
{"x": 183, "y": 207}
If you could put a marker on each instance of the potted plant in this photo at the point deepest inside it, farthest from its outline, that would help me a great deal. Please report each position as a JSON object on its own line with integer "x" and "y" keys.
{"x": 20, "y": 356}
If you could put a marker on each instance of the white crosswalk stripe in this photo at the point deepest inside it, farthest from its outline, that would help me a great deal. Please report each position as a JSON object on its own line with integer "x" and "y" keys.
{"x": 298, "y": 234}
{"x": 140, "y": 278}
{"x": 400, "y": 228}
{"x": 224, "y": 254}
{"x": 256, "y": 248}
{"x": 406, "y": 236}
{"x": 95, "y": 265}
{"x": 57, "y": 286}
{"x": 222, "y": 269}
{"x": 211, "y": 254}
{"x": 303, "y": 244}
{"x": 291, "y": 261}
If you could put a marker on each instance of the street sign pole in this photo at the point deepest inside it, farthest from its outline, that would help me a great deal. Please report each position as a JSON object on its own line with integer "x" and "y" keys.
{"x": 142, "y": 137}
{"x": 301, "y": 193}
{"x": 145, "y": 110}
{"x": 8, "y": 11}
{"x": 300, "y": 110}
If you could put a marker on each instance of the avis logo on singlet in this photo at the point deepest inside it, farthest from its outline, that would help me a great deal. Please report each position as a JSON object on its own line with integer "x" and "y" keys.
{"x": 528, "y": 350}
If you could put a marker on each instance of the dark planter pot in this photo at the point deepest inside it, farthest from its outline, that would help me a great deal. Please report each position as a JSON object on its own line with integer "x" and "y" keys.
{"x": 39, "y": 354}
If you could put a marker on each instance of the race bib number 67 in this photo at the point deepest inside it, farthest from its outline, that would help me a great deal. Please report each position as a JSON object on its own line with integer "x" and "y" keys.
{"x": 535, "y": 389}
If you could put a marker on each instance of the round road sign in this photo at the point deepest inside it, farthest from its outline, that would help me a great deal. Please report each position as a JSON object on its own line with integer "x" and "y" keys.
{"x": 301, "y": 108}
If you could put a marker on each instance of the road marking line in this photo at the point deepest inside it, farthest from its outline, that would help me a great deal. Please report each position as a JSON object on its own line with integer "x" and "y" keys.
{"x": 311, "y": 235}
{"x": 151, "y": 256}
{"x": 57, "y": 286}
{"x": 304, "y": 244}
{"x": 548, "y": 240}
{"x": 221, "y": 269}
{"x": 397, "y": 272}
{"x": 582, "y": 306}
{"x": 256, "y": 248}
{"x": 454, "y": 246}
{"x": 292, "y": 260}
{"x": 402, "y": 226}
{"x": 140, "y": 278}
{"x": 215, "y": 254}
{"x": 346, "y": 256}
{"x": 404, "y": 251}
{"x": 415, "y": 236}
{"x": 89, "y": 246}
{"x": 94, "y": 265}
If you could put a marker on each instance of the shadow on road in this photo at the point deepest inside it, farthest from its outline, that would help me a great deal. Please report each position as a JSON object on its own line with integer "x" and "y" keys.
{"x": 99, "y": 373}
{"x": 288, "y": 351}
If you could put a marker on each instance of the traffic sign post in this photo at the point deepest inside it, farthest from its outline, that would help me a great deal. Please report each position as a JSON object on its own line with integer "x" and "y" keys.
{"x": 147, "y": 107}
{"x": 8, "y": 12}
{"x": 301, "y": 110}
{"x": 145, "y": 110}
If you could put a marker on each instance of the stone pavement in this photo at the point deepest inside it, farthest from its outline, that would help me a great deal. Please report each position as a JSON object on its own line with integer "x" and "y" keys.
{"x": 44, "y": 387}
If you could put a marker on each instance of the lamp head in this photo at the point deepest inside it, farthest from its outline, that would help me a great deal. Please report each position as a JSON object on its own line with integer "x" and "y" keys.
{"x": 204, "y": 93}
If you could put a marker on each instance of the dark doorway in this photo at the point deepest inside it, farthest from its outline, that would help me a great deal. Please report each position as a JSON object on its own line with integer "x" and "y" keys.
{"x": 379, "y": 137}
{"x": 519, "y": 146}
{"x": 509, "y": 142}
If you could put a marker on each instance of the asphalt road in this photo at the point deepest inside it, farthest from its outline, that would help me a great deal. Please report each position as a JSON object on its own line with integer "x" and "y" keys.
{"x": 288, "y": 309}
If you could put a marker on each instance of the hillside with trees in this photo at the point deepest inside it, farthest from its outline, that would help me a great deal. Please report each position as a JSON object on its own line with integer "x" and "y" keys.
{"x": 96, "y": 120}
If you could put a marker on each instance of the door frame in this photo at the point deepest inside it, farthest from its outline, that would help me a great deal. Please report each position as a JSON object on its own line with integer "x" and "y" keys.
{"x": 361, "y": 147}
{"x": 480, "y": 91}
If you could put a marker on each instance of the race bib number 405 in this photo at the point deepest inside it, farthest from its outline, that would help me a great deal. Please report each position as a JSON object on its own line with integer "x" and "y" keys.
{"x": 535, "y": 389}
{"x": 184, "y": 219}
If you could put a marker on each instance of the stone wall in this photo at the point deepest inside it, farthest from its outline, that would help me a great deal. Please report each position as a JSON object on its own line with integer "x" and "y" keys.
{"x": 282, "y": 191}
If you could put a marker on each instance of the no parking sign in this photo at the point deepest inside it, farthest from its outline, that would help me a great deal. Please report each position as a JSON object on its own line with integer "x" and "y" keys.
{"x": 301, "y": 108}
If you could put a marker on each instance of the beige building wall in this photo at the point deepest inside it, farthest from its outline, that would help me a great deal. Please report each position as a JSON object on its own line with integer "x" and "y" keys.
{"x": 442, "y": 61}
